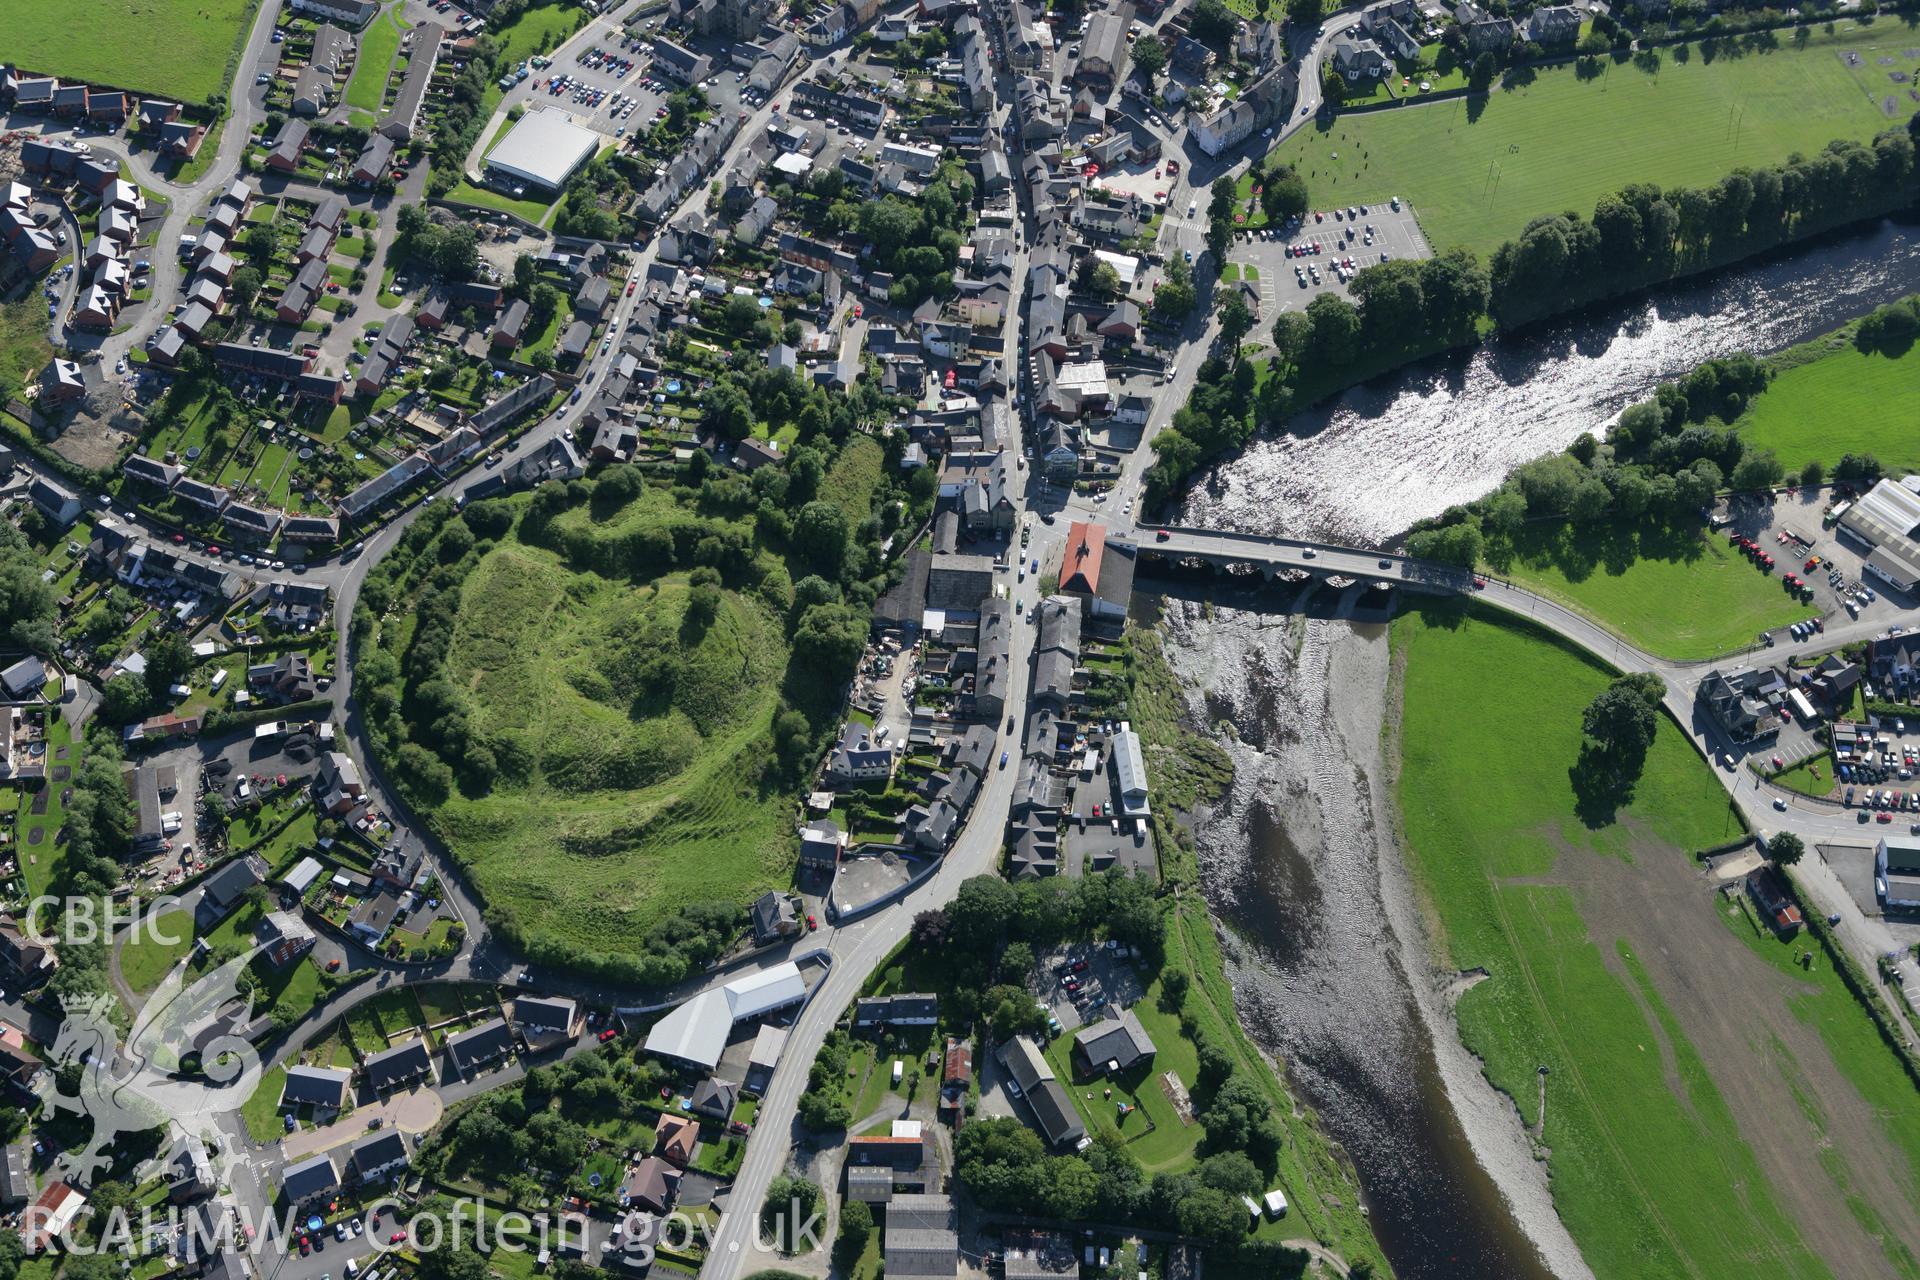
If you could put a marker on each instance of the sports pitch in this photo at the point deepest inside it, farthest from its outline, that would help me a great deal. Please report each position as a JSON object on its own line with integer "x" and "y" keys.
{"x": 1477, "y": 170}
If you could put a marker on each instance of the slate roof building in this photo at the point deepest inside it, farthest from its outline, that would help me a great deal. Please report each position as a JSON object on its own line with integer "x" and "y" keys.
{"x": 315, "y": 1086}
{"x": 480, "y": 1046}
{"x": 403, "y": 1065}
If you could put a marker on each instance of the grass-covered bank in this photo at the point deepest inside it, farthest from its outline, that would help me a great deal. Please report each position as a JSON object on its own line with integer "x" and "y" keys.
{"x": 1649, "y": 1170}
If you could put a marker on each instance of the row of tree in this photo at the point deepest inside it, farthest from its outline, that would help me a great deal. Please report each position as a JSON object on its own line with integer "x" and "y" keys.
{"x": 1643, "y": 234}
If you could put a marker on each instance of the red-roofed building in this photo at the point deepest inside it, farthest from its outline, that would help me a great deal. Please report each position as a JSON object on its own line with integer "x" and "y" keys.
{"x": 1086, "y": 547}
{"x": 50, "y": 1216}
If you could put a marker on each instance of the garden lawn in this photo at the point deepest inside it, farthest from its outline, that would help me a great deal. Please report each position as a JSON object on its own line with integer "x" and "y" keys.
{"x": 1476, "y": 176}
{"x": 1842, "y": 402}
{"x": 262, "y": 1110}
{"x": 378, "y": 43}
{"x": 1151, "y": 1131}
{"x": 170, "y": 48}
{"x": 635, "y": 803}
{"x": 1650, "y": 1181}
{"x": 145, "y": 960}
{"x": 1681, "y": 594}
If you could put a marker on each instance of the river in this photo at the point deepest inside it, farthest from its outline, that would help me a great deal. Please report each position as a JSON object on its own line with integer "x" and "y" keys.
{"x": 1298, "y": 859}
{"x": 1367, "y": 465}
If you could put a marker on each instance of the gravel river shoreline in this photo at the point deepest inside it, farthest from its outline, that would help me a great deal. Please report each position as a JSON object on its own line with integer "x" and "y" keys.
{"x": 1327, "y": 950}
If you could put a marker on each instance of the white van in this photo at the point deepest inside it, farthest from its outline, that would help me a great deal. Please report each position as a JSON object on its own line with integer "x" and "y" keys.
{"x": 219, "y": 678}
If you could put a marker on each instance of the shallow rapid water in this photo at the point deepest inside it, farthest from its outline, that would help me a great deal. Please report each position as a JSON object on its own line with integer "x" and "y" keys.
{"x": 1364, "y": 467}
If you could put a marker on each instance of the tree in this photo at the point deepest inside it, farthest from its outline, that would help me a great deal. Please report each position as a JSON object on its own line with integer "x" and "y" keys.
{"x": 1291, "y": 333}
{"x": 1149, "y": 57}
{"x": 1334, "y": 329}
{"x": 820, "y": 536}
{"x": 856, "y": 1228}
{"x": 1624, "y": 716}
{"x": 260, "y": 245}
{"x": 1283, "y": 194}
{"x": 169, "y": 659}
{"x": 1174, "y": 297}
{"x": 1757, "y": 469}
{"x": 788, "y": 1216}
{"x": 1813, "y": 473}
{"x": 1236, "y": 320}
{"x": 1618, "y": 728}
{"x": 1481, "y": 76}
{"x": 1239, "y": 1117}
{"x": 246, "y": 286}
{"x": 1220, "y": 219}
{"x": 1784, "y": 849}
{"x": 1212, "y": 23}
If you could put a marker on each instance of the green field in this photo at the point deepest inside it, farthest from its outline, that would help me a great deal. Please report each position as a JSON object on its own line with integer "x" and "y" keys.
{"x": 144, "y": 960}
{"x": 24, "y": 349}
{"x": 1842, "y": 402}
{"x": 1477, "y": 170}
{"x": 536, "y": 31}
{"x": 638, "y": 732}
{"x": 378, "y": 43}
{"x": 1649, "y": 1168}
{"x": 1629, "y": 579}
{"x": 175, "y": 48}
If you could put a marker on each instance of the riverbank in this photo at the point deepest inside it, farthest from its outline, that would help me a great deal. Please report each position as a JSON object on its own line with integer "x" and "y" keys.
{"x": 1189, "y": 774}
{"x": 1322, "y": 943}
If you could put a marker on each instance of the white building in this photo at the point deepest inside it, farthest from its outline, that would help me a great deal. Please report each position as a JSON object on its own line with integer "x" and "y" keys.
{"x": 698, "y": 1030}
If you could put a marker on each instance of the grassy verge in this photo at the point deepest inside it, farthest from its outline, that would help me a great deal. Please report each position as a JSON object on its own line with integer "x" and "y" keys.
{"x": 262, "y": 1111}
{"x": 533, "y": 211}
{"x": 1649, "y": 1170}
{"x": 1632, "y": 578}
{"x": 1477, "y": 169}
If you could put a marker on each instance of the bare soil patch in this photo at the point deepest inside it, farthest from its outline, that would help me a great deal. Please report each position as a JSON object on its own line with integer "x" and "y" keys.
{"x": 1774, "y": 1071}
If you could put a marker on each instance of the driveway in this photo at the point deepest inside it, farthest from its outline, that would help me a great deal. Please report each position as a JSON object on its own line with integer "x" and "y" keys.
{"x": 415, "y": 1111}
